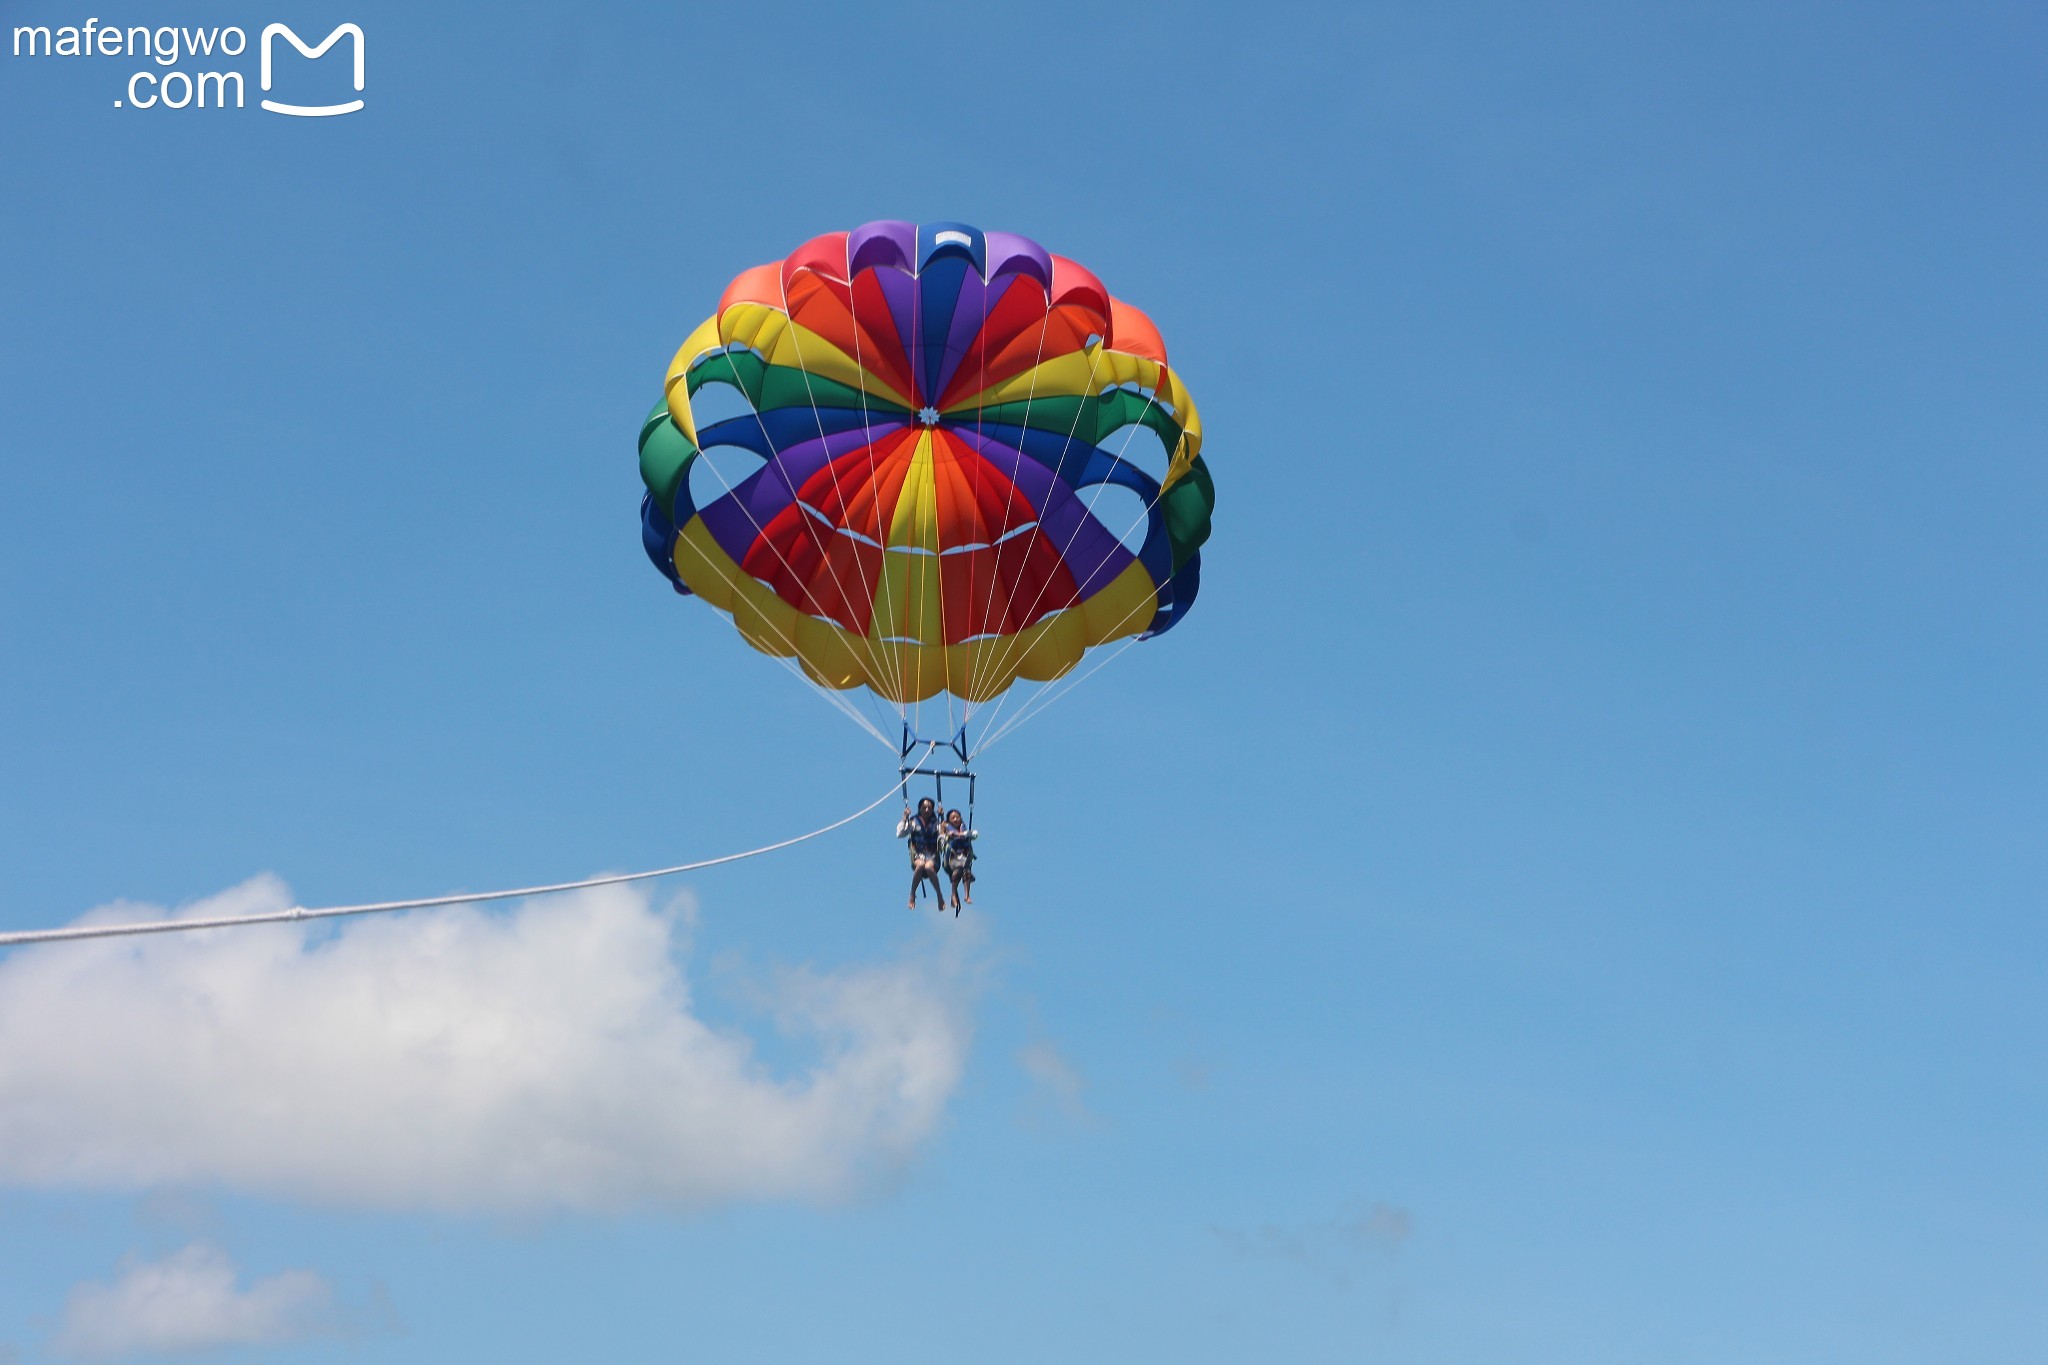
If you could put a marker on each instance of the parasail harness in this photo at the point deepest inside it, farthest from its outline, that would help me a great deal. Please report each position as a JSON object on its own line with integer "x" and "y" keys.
{"x": 924, "y": 765}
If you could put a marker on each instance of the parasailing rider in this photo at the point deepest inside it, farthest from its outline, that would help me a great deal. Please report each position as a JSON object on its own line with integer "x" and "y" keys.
{"x": 956, "y": 845}
{"x": 922, "y": 829}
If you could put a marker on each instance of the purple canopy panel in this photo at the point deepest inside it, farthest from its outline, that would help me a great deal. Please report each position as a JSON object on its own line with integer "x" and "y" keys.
{"x": 1092, "y": 554}
{"x": 900, "y": 290}
{"x": 970, "y": 315}
{"x": 799, "y": 462}
{"x": 1033, "y": 479}
{"x": 1009, "y": 254}
{"x": 887, "y": 243}
{"x": 735, "y": 521}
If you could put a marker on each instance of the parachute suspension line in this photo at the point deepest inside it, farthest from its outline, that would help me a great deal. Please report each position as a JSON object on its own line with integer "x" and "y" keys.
{"x": 929, "y": 568}
{"x": 890, "y": 641}
{"x": 1116, "y": 463}
{"x": 164, "y": 926}
{"x": 899, "y": 629}
{"x": 845, "y": 707}
{"x": 867, "y": 443}
{"x": 832, "y": 696}
{"x": 1047, "y": 695}
{"x": 811, "y": 393}
{"x": 936, "y": 571}
{"x": 937, "y": 568}
{"x": 988, "y": 533}
{"x": 1030, "y": 396}
{"x": 838, "y": 702}
{"x": 767, "y": 440}
{"x": 936, "y": 564}
{"x": 980, "y": 516}
{"x": 926, "y": 565}
{"x": 867, "y": 425}
{"x": 1039, "y": 701}
{"x": 1012, "y": 654}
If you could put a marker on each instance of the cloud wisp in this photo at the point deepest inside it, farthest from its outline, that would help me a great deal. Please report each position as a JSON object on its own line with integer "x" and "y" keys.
{"x": 1056, "y": 1083}
{"x": 1328, "y": 1247}
{"x": 550, "y": 1058}
{"x": 190, "y": 1301}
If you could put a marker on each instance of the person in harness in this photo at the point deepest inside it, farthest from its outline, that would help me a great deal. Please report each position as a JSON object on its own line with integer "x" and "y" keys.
{"x": 956, "y": 851}
{"x": 922, "y": 829}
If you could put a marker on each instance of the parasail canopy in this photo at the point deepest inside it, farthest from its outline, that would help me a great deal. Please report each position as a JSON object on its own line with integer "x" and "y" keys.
{"x": 938, "y": 413}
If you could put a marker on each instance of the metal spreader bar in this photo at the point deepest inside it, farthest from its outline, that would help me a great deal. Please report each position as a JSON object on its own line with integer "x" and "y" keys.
{"x": 924, "y": 766}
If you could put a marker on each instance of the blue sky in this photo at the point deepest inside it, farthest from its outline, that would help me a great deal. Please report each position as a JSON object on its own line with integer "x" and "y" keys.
{"x": 1570, "y": 892}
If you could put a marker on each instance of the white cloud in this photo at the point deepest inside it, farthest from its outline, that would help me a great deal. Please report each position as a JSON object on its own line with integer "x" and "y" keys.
{"x": 189, "y": 1301}
{"x": 458, "y": 1059}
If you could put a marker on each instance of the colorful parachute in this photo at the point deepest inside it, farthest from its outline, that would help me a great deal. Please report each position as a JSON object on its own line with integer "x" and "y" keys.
{"x": 938, "y": 411}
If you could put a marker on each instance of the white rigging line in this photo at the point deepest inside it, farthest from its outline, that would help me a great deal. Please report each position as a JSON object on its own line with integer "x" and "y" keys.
{"x": 1010, "y": 650}
{"x": 916, "y": 352}
{"x": 844, "y": 706}
{"x": 981, "y": 433}
{"x": 1002, "y": 649}
{"x": 824, "y": 441}
{"x": 1046, "y": 695}
{"x": 164, "y": 926}
{"x": 867, "y": 429}
{"x": 1116, "y": 463}
{"x": 989, "y": 534}
{"x": 888, "y": 641}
